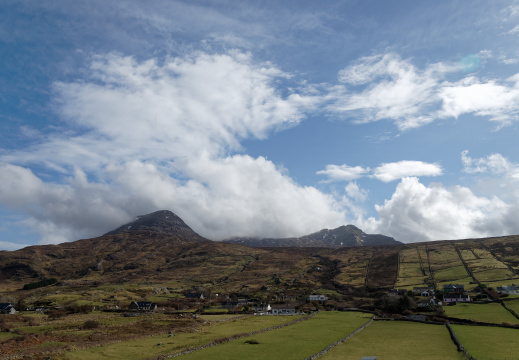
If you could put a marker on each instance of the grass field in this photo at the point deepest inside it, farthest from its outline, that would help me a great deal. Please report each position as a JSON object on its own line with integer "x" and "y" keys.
{"x": 148, "y": 346}
{"x": 488, "y": 343}
{"x": 514, "y": 305}
{"x": 453, "y": 273}
{"x": 392, "y": 340}
{"x": 294, "y": 342}
{"x": 490, "y": 313}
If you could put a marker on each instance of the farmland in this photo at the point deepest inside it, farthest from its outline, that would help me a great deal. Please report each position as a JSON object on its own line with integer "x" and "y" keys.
{"x": 489, "y": 313}
{"x": 85, "y": 314}
{"x": 488, "y": 343}
{"x": 288, "y": 337}
{"x": 295, "y": 342}
{"x": 398, "y": 340}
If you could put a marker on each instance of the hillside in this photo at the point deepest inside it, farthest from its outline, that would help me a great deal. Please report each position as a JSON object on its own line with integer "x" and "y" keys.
{"x": 160, "y": 251}
{"x": 343, "y": 236}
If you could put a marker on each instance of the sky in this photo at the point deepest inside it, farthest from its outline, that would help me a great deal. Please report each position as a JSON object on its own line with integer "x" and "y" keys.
{"x": 259, "y": 118}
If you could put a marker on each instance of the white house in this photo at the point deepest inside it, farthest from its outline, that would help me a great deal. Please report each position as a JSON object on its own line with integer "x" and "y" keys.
{"x": 7, "y": 309}
{"x": 456, "y": 298}
{"x": 262, "y": 308}
{"x": 508, "y": 289}
{"x": 283, "y": 310}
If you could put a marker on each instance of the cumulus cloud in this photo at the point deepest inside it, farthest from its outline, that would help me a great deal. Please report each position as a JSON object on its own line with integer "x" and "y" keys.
{"x": 388, "y": 87}
{"x": 497, "y": 101}
{"x": 495, "y": 164}
{"x": 184, "y": 105}
{"x": 417, "y": 212}
{"x": 386, "y": 172}
{"x": 236, "y": 195}
{"x": 165, "y": 135}
{"x": 59, "y": 211}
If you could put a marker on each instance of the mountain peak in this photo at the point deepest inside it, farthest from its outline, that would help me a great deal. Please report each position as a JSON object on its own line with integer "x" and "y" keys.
{"x": 343, "y": 236}
{"x": 163, "y": 221}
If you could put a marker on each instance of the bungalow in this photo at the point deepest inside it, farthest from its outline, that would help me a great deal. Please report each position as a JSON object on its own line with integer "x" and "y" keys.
{"x": 428, "y": 303}
{"x": 230, "y": 304}
{"x": 456, "y": 289}
{"x": 421, "y": 289}
{"x": 194, "y": 296}
{"x": 262, "y": 308}
{"x": 142, "y": 306}
{"x": 508, "y": 289}
{"x": 393, "y": 292}
{"x": 7, "y": 309}
{"x": 317, "y": 298}
{"x": 283, "y": 310}
{"x": 427, "y": 293}
{"x": 456, "y": 298}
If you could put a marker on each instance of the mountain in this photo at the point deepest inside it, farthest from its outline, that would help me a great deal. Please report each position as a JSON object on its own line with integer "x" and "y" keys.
{"x": 343, "y": 236}
{"x": 147, "y": 244}
{"x": 161, "y": 222}
{"x": 159, "y": 251}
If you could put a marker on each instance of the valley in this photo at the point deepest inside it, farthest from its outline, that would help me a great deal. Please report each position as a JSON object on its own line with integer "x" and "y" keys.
{"x": 73, "y": 299}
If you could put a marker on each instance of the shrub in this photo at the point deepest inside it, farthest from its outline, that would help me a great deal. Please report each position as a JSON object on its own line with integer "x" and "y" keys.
{"x": 4, "y": 326}
{"x": 56, "y": 314}
{"x": 82, "y": 309}
{"x": 41, "y": 283}
{"x": 90, "y": 324}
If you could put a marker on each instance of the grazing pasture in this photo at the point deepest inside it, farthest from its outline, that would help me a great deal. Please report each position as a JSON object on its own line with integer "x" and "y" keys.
{"x": 395, "y": 340}
{"x": 488, "y": 343}
{"x": 201, "y": 334}
{"x": 293, "y": 342}
{"x": 490, "y": 313}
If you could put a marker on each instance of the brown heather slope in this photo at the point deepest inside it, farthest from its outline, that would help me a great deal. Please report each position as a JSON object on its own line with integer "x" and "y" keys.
{"x": 160, "y": 248}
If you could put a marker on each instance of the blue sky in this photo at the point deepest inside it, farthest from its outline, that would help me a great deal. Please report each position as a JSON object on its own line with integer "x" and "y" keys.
{"x": 259, "y": 118}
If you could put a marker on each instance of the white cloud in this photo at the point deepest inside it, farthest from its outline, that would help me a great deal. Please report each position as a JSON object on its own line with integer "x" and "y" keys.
{"x": 396, "y": 90}
{"x": 237, "y": 195}
{"x": 386, "y": 172}
{"x": 343, "y": 172}
{"x": 183, "y": 106}
{"x": 495, "y": 164}
{"x": 397, "y": 170}
{"x": 62, "y": 212}
{"x": 497, "y": 101}
{"x": 515, "y": 30}
{"x": 388, "y": 87}
{"x": 417, "y": 212}
{"x": 161, "y": 135}
{"x": 355, "y": 192}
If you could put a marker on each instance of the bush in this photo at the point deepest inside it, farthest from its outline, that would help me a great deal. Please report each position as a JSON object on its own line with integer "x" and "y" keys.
{"x": 80, "y": 309}
{"x": 252, "y": 342}
{"x": 4, "y": 326}
{"x": 56, "y": 314}
{"x": 41, "y": 283}
{"x": 90, "y": 324}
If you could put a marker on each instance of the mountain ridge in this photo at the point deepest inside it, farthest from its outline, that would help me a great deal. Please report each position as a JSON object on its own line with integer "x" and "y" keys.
{"x": 343, "y": 236}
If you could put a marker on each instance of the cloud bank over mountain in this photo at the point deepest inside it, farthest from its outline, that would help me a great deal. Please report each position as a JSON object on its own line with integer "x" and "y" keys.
{"x": 270, "y": 121}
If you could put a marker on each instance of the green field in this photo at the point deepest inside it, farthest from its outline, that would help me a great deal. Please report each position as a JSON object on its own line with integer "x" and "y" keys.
{"x": 392, "y": 340}
{"x": 488, "y": 343}
{"x": 490, "y": 313}
{"x": 294, "y": 342}
{"x": 145, "y": 347}
{"x": 514, "y": 305}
